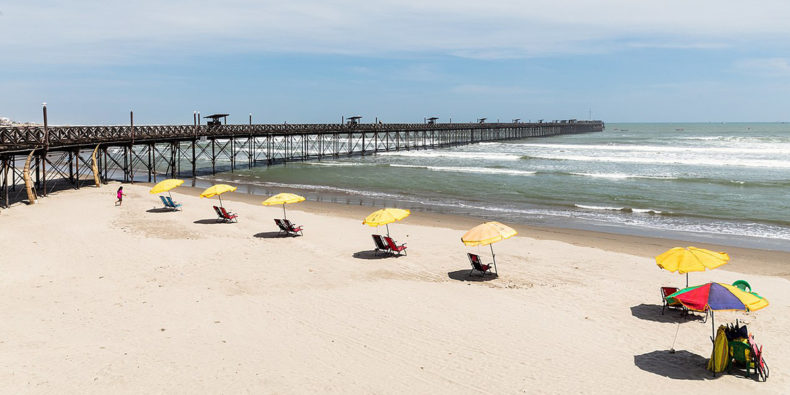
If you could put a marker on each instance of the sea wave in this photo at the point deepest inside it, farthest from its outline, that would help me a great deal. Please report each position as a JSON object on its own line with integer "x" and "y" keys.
{"x": 740, "y": 139}
{"x": 494, "y": 156}
{"x": 621, "y": 176}
{"x": 339, "y": 164}
{"x": 620, "y": 209}
{"x": 479, "y": 170}
{"x": 714, "y": 162}
{"x": 761, "y": 150}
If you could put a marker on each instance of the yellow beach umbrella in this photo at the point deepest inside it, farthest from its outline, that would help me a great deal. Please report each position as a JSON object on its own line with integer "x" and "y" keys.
{"x": 217, "y": 190}
{"x": 487, "y": 234}
{"x": 166, "y": 186}
{"x": 283, "y": 198}
{"x": 691, "y": 259}
{"x": 385, "y": 216}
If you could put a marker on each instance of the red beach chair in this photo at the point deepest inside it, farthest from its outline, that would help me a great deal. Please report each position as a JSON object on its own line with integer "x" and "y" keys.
{"x": 394, "y": 247}
{"x": 757, "y": 356}
{"x": 220, "y": 217}
{"x": 293, "y": 229}
{"x": 281, "y": 225}
{"x": 478, "y": 265}
{"x": 228, "y": 216}
{"x": 381, "y": 245}
{"x": 666, "y": 291}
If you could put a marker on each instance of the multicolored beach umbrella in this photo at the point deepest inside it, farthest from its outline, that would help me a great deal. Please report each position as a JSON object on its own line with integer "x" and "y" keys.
{"x": 716, "y": 297}
{"x": 691, "y": 259}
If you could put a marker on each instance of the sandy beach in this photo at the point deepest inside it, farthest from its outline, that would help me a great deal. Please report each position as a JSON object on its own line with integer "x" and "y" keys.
{"x": 132, "y": 299}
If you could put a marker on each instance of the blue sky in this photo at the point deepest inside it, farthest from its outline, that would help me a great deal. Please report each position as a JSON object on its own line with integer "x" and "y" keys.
{"x": 314, "y": 61}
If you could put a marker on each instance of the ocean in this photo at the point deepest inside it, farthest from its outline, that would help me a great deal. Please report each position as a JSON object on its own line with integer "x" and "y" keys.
{"x": 725, "y": 183}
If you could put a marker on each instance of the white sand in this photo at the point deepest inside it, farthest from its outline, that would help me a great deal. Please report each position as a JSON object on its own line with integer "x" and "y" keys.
{"x": 103, "y": 299}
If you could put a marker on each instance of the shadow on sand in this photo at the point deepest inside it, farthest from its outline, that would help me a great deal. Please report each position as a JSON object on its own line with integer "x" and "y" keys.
{"x": 371, "y": 254}
{"x": 652, "y": 312}
{"x": 207, "y": 221}
{"x": 680, "y": 365}
{"x": 463, "y": 275}
{"x": 160, "y": 210}
{"x": 269, "y": 235}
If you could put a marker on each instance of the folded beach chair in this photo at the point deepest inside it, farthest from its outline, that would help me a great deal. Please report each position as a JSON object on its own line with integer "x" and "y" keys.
{"x": 228, "y": 216}
{"x": 220, "y": 217}
{"x": 293, "y": 229}
{"x": 172, "y": 204}
{"x": 666, "y": 291}
{"x": 478, "y": 265}
{"x": 394, "y": 247}
{"x": 164, "y": 201}
{"x": 381, "y": 245}
{"x": 759, "y": 363}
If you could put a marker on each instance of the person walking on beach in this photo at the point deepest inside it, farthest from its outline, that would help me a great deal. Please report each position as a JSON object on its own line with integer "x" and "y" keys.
{"x": 120, "y": 196}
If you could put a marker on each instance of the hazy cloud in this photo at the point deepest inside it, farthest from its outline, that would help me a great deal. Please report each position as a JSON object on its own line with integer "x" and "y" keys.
{"x": 141, "y": 31}
{"x": 766, "y": 66}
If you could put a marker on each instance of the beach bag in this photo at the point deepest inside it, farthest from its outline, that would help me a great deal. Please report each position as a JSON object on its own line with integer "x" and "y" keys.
{"x": 720, "y": 357}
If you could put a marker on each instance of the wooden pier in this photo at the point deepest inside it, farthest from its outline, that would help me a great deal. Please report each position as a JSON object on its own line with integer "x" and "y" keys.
{"x": 71, "y": 156}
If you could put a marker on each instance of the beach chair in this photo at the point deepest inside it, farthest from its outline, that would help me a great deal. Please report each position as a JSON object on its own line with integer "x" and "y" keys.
{"x": 164, "y": 201}
{"x": 478, "y": 265}
{"x": 228, "y": 216}
{"x": 381, "y": 245}
{"x": 760, "y": 367}
{"x": 394, "y": 247}
{"x": 293, "y": 229}
{"x": 170, "y": 203}
{"x": 666, "y": 291}
{"x": 280, "y": 225}
{"x": 220, "y": 217}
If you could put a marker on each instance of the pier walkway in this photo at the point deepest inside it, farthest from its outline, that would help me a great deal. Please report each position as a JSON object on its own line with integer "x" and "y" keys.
{"x": 68, "y": 156}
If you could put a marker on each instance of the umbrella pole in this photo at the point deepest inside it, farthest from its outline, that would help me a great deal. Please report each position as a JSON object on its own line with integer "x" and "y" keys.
{"x": 712, "y": 327}
{"x": 494, "y": 258}
{"x": 388, "y": 230}
{"x": 220, "y": 200}
{"x": 687, "y": 279}
{"x": 284, "y": 216}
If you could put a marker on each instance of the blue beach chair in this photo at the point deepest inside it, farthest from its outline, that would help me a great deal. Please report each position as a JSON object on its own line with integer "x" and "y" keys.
{"x": 172, "y": 204}
{"x": 164, "y": 201}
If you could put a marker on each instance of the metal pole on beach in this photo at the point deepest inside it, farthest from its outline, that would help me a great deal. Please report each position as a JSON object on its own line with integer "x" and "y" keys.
{"x": 494, "y": 258}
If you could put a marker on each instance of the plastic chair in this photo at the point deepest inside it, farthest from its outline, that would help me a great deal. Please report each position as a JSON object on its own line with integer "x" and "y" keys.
{"x": 741, "y": 353}
{"x": 743, "y": 286}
